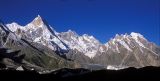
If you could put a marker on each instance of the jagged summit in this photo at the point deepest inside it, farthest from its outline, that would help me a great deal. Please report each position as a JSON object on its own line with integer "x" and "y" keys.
{"x": 134, "y": 34}
{"x": 137, "y": 35}
{"x": 38, "y": 21}
{"x": 129, "y": 42}
{"x": 71, "y": 32}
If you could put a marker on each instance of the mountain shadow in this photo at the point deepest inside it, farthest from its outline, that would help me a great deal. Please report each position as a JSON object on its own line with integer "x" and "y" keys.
{"x": 5, "y": 54}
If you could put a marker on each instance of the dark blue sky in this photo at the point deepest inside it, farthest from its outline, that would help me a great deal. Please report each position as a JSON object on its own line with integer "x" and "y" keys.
{"x": 100, "y": 18}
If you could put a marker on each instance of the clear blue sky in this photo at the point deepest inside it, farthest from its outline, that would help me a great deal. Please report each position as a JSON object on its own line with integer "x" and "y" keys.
{"x": 100, "y": 18}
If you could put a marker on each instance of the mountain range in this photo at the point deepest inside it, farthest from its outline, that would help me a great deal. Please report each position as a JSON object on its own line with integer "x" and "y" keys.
{"x": 39, "y": 46}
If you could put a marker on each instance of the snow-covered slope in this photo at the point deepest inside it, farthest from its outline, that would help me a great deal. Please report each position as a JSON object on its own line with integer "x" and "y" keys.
{"x": 129, "y": 42}
{"x": 14, "y": 26}
{"x": 85, "y": 43}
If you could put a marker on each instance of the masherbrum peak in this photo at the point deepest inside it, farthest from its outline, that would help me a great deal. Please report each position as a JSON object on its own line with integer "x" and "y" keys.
{"x": 38, "y": 21}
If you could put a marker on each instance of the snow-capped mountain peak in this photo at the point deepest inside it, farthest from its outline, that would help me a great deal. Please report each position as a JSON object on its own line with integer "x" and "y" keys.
{"x": 136, "y": 35}
{"x": 138, "y": 38}
{"x": 72, "y": 32}
{"x": 85, "y": 44}
{"x": 40, "y": 32}
{"x": 14, "y": 26}
{"x": 38, "y": 21}
{"x": 129, "y": 42}
{"x": 45, "y": 34}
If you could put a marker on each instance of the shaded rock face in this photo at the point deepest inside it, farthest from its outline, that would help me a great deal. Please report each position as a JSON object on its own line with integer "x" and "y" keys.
{"x": 10, "y": 59}
{"x": 37, "y": 45}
